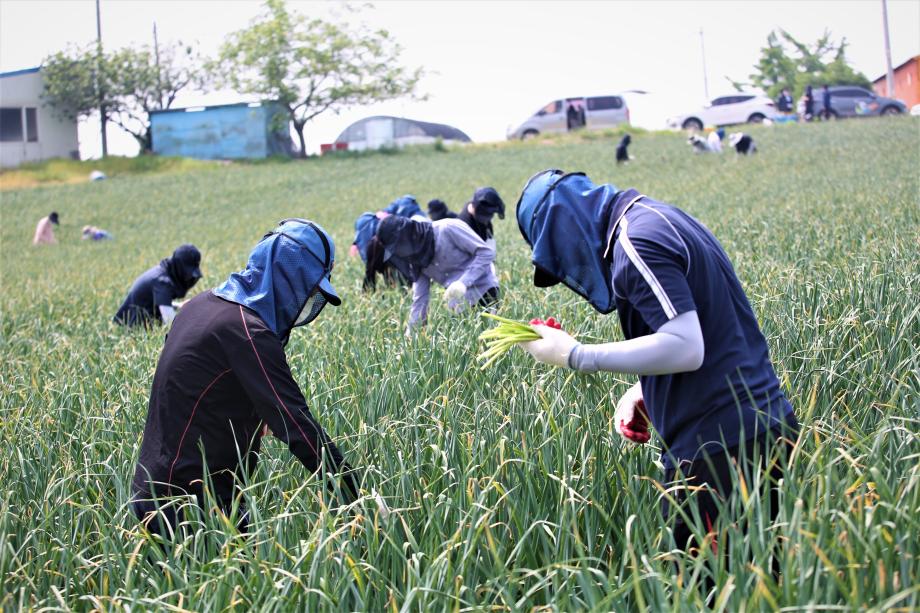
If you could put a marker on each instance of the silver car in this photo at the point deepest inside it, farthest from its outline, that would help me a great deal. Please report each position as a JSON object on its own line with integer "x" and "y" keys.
{"x": 559, "y": 116}
{"x": 853, "y": 101}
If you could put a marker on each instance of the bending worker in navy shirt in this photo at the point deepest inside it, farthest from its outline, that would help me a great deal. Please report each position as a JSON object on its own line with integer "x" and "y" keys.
{"x": 222, "y": 380}
{"x": 150, "y": 299}
{"x": 706, "y": 380}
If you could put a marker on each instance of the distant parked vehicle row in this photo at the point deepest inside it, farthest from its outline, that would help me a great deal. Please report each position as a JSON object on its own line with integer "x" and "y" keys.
{"x": 851, "y": 101}
{"x": 594, "y": 113}
{"x": 726, "y": 111}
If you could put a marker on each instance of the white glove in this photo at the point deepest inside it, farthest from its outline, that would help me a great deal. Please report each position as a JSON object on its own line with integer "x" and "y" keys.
{"x": 630, "y": 418}
{"x": 454, "y": 292}
{"x": 554, "y": 348}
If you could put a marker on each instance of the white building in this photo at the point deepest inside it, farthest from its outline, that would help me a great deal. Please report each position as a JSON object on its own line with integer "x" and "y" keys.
{"x": 29, "y": 130}
{"x": 386, "y": 131}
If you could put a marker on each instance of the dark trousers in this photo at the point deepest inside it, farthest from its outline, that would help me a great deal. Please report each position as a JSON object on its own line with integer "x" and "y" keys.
{"x": 489, "y": 298}
{"x": 714, "y": 471}
{"x": 165, "y": 517}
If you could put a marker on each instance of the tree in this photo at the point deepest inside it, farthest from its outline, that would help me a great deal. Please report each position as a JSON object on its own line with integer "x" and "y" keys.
{"x": 144, "y": 82}
{"x": 76, "y": 81}
{"x": 823, "y": 63}
{"x": 129, "y": 82}
{"x": 311, "y": 66}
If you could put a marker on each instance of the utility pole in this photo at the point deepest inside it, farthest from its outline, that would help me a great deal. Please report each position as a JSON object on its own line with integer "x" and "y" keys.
{"x": 156, "y": 55}
{"x": 102, "y": 116}
{"x": 705, "y": 77}
{"x": 889, "y": 75}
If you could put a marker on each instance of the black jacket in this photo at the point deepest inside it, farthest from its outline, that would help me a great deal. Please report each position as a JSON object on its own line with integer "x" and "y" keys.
{"x": 159, "y": 286}
{"x": 154, "y": 288}
{"x": 221, "y": 376}
{"x": 484, "y": 230}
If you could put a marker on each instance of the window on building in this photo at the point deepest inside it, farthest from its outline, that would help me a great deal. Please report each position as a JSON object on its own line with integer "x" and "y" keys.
{"x": 11, "y": 125}
{"x": 31, "y": 125}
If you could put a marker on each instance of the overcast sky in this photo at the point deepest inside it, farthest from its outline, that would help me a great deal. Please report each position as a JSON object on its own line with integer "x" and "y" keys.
{"x": 491, "y": 64}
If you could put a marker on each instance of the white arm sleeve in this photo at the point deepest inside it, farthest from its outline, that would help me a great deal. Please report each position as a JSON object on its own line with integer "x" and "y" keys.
{"x": 167, "y": 313}
{"x": 676, "y": 347}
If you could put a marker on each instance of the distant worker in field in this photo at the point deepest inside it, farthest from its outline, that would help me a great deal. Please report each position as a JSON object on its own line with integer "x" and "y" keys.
{"x": 714, "y": 140}
{"x": 223, "y": 382}
{"x": 784, "y": 103}
{"x": 571, "y": 117}
{"x": 622, "y": 152}
{"x": 150, "y": 299}
{"x": 706, "y": 380}
{"x": 44, "y": 232}
{"x": 742, "y": 143}
{"x": 92, "y": 233}
{"x": 366, "y": 245}
{"x": 404, "y": 206}
{"x": 438, "y": 210}
{"x": 808, "y": 104}
{"x": 447, "y": 252}
{"x": 827, "y": 111}
{"x": 480, "y": 210}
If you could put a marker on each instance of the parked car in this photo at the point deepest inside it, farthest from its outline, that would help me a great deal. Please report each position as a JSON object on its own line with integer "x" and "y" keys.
{"x": 599, "y": 112}
{"x": 726, "y": 111}
{"x": 852, "y": 101}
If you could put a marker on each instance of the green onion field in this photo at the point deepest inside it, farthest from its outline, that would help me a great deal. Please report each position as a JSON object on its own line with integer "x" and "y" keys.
{"x": 505, "y": 488}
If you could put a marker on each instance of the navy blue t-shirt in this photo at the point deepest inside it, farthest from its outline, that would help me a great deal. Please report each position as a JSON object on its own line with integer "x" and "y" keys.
{"x": 154, "y": 288}
{"x": 664, "y": 263}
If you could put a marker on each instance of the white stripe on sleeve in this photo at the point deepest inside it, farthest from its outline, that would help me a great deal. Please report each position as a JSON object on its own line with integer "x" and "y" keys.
{"x": 647, "y": 274}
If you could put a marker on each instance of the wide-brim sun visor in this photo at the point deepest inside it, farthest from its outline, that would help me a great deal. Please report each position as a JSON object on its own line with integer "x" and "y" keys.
{"x": 332, "y": 297}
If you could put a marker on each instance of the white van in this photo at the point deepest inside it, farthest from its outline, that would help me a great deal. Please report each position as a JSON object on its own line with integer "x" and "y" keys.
{"x": 593, "y": 113}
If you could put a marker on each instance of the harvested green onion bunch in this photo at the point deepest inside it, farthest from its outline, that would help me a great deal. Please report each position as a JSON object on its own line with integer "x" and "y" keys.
{"x": 503, "y": 337}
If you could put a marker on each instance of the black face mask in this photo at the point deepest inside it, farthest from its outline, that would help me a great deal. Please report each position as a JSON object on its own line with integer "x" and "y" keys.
{"x": 483, "y": 218}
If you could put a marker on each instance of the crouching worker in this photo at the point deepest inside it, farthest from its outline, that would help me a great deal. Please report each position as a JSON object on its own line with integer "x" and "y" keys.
{"x": 706, "y": 381}
{"x": 222, "y": 380}
{"x": 150, "y": 299}
{"x": 447, "y": 252}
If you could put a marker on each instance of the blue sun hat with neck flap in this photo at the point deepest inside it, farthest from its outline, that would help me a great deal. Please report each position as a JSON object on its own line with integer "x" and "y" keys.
{"x": 287, "y": 280}
{"x": 564, "y": 217}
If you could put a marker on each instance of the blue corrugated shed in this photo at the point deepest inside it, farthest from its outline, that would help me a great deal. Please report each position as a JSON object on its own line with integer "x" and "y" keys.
{"x": 227, "y": 131}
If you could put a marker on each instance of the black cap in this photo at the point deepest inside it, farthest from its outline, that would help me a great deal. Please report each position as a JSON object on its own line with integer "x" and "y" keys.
{"x": 486, "y": 200}
{"x": 436, "y": 206}
{"x": 53, "y": 218}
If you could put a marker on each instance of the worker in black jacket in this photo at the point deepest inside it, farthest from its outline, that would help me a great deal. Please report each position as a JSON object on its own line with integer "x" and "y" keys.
{"x": 150, "y": 299}
{"x": 222, "y": 380}
{"x": 480, "y": 210}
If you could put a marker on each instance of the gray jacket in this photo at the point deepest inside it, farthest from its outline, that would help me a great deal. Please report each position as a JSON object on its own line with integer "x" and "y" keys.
{"x": 459, "y": 255}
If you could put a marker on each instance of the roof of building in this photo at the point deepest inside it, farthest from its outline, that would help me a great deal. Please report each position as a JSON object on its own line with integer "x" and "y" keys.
{"x": 16, "y": 73}
{"x": 916, "y": 58}
{"x": 197, "y": 109}
{"x": 430, "y": 129}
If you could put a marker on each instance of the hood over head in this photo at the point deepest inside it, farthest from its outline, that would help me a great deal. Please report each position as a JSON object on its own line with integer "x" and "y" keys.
{"x": 407, "y": 244}
{"x": 487, "y": 203}
{"x": 405, "y": 206}
{"x": 287, "y": 280}
{"x": 183, "y": 267}
{"x": 365, "y": 228}
{"x": 565, "y": 218}
{"x": 437, "y": 209}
